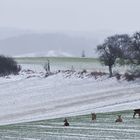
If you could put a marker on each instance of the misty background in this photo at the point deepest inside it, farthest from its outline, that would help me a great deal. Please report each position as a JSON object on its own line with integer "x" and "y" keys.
{"x": 63, "y": 27}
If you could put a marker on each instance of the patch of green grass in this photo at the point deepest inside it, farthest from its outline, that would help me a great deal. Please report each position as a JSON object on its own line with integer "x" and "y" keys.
{"x": 81, "y": 127}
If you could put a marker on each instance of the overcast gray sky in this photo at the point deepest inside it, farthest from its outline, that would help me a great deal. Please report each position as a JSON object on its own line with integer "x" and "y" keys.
{"x": 71, "y": 15}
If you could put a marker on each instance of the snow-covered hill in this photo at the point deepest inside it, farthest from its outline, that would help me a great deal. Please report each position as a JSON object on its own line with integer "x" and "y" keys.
{"x": 50, "y": 53}
{"x": 29, "y": 96}
{"x": 59, "y": 43}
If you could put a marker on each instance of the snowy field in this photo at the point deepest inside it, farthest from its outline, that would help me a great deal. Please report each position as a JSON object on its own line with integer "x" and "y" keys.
{"x": 31, "y": 97}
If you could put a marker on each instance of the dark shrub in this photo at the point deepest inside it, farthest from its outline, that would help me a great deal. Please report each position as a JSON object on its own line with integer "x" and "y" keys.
{"x": 129, "y": 77}
{"x": 8, "y": 66}
{"x": 118, "y": 76}
{"x": 96, "y": 74}
{"x": 136, "y": 73}
{"x": 84, "y": 71}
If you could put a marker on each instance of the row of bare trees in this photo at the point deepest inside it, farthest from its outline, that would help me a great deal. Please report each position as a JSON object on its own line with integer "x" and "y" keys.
{"x": 122, "y": 49}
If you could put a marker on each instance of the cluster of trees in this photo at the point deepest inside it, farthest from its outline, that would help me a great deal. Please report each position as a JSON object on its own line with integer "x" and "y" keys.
{"x": 8, "y": 66}
{"x": 123, "y": 49}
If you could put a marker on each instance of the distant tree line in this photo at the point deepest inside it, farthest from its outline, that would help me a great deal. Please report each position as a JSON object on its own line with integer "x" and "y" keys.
{"x": 122, "y": 49}
{"x": 8, "y": 66}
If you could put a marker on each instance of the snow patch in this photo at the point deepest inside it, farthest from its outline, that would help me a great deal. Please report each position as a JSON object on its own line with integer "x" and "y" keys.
{"x": 51, "y": 53}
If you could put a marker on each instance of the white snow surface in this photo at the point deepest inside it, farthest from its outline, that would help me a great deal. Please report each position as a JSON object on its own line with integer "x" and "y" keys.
{"x": 29, "y": 96}
{"x": 50, "y": 53}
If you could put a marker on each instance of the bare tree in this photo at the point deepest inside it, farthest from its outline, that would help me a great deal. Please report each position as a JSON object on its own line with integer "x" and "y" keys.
{"x": 112, "y": 48}
{"x": 83, "y": 54}
{"x": 47, "y": 68}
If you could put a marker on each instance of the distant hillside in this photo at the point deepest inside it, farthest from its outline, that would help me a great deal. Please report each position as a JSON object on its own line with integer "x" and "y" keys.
{"x": 11, "y": 32}
{"x": 51, "y": 44}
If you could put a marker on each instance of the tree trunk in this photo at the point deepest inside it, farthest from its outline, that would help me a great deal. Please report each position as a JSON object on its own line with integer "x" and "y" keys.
{"x": 110, "y": 71}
